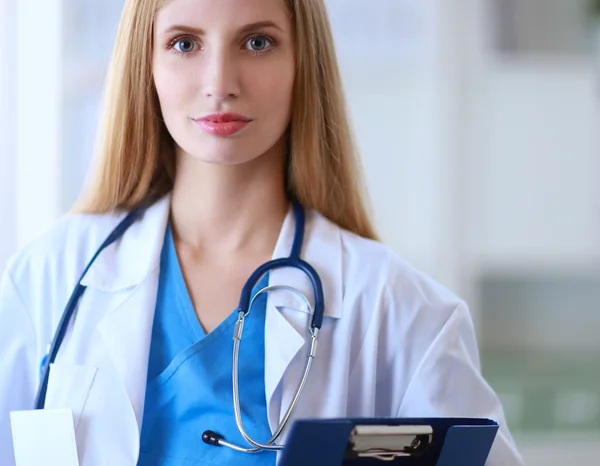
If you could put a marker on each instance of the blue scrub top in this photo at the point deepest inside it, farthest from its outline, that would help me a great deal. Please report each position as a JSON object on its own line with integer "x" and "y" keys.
{"x": 189, "y": 379}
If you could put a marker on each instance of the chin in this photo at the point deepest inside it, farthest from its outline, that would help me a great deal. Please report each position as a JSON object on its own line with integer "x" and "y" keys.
{"x": 239, "y": 149}
{"x": 226, "y": 151}
{"x": 227, "y": 160}
{"x": 223, "y": 154}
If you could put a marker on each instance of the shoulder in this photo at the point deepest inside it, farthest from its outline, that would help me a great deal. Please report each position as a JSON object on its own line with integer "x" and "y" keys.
{"x": 399, "y": 311}
{"x": 372, "y": 265}
{"x": 73, "y": 233}
{"x": 61, "y": 251}
{"x": 381, "y": 286}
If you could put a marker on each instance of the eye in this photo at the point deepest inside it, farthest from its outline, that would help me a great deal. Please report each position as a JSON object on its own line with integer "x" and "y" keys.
{"x": 258, "y": 43}
{"x": 184, "y": 45}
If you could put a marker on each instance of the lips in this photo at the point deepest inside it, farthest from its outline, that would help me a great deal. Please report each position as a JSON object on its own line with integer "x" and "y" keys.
{"x": 225, "y": 118}
{"x": 223, "y": 124}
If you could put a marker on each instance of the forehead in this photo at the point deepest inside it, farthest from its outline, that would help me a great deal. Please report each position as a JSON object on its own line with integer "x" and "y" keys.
{"x": 221, "y": 14}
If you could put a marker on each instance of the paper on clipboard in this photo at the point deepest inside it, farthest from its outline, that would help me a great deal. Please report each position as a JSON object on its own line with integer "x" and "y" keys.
{"x": 44, "y": 437}
{"x": 378, "y": 440}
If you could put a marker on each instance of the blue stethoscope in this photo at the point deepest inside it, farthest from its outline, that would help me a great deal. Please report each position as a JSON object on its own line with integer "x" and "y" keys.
{"x": 245, "y": 304}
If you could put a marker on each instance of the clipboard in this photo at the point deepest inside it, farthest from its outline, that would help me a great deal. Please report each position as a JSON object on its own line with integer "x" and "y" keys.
{"x": 389, "y": 441}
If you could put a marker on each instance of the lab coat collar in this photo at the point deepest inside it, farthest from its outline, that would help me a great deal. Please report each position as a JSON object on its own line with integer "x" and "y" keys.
{"x": 322, "y": 249}
{"x": 127, "y": 262}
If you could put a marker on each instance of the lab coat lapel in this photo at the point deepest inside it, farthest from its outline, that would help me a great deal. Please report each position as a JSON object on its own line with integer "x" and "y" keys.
{"x": 128, "y": 272}
{"x": 287, "y": 318}
{"x": 126, "y": 330}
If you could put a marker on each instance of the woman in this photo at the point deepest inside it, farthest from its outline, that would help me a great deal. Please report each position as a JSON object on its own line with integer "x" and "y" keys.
{"x": 218, "y": 114}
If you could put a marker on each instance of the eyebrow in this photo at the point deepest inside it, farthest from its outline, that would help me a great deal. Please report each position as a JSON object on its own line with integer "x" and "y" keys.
{"x": 244, "y": 29}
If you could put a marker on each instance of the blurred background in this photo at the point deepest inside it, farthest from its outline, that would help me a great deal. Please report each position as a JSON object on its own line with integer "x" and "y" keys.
{"x": 478, "y": 125}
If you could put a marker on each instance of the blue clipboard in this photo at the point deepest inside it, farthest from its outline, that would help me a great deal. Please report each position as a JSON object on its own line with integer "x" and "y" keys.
{"x": 328, "y": 442}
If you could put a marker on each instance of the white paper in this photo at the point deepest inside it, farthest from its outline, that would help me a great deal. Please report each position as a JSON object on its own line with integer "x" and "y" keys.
{"x": 44, "y": 437}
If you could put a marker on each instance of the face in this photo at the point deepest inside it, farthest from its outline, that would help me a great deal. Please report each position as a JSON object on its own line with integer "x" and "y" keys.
{"x": 224, "y": 72}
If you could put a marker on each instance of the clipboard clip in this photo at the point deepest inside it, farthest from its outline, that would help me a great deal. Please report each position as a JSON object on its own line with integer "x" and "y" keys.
{"x": 386, "y": 443}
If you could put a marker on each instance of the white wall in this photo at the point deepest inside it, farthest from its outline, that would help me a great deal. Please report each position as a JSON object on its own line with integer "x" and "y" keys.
{"x": 39, "y": 160}
{"x": 403, "y": 108}
{"x": 30, "y": 121}
{"x": 533, "y": 151}
{"x": 538, "y": 196}
{"x": 7, "y": 128}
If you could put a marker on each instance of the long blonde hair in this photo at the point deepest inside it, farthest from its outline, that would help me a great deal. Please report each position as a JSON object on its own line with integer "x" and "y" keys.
{"x": 135, "y": 152}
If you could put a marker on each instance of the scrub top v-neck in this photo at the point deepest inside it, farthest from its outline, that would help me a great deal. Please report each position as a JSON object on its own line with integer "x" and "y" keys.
{"x": 189, "y": 386}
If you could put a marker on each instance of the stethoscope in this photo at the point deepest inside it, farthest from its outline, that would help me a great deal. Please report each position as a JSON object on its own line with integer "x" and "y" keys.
{"x": 245, "y": 304}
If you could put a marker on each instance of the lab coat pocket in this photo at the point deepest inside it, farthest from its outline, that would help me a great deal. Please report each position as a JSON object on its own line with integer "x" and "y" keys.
{"x": 69, "y": 386}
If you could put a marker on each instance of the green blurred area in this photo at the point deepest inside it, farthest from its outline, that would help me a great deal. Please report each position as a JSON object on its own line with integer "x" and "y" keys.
{"x": 545, "y": 391}
{"x": 540, "y": 348}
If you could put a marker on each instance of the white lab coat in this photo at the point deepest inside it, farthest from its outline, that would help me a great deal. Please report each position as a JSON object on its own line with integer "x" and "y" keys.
{"x": 393, "y": 342}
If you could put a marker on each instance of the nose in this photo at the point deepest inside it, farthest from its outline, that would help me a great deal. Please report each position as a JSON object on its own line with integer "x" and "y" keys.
{"x": 220, "y": 74}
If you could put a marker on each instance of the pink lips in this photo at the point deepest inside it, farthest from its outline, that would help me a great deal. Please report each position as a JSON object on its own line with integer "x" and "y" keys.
{"x": 223, "y": 124}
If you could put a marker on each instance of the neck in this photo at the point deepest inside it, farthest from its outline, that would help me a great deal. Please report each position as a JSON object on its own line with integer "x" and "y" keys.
{"x": 227, "y": 209}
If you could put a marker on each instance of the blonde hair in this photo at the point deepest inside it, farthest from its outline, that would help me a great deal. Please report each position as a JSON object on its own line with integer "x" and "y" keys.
{"x": 135, "y": 152}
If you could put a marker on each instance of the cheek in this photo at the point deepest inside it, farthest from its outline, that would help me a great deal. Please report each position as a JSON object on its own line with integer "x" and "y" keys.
{"x": 277, "y": 91}
{"x": 171, "y": 91}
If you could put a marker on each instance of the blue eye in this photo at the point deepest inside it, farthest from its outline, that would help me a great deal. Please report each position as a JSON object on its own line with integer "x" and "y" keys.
{"x": 259, "y": 43}
{"x": 185, "y": 45}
